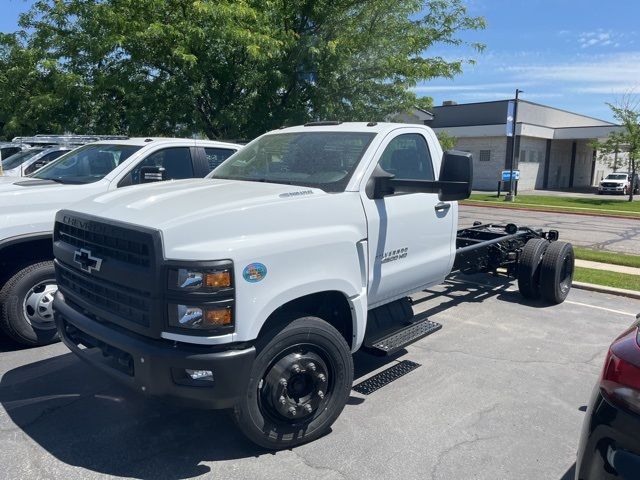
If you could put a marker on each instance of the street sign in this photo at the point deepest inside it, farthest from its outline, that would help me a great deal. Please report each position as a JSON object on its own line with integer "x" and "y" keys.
{"x": 506, "y": 175}
{"x": 510, "y": 112}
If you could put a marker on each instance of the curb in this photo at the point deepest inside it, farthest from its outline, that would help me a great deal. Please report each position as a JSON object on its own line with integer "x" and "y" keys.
{"x": 610, "y": 290}
{"x": 547, "y": 210}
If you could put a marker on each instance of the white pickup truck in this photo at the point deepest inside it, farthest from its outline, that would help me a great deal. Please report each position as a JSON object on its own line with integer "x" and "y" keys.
{"x": 28, "y": 206}
{"x": 251, "y": 289}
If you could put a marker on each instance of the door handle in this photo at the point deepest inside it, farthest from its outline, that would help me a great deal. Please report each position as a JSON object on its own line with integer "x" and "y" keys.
{"x": 442, "y": 207}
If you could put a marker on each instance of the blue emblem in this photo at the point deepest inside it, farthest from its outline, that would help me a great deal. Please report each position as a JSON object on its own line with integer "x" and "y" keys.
{"x": 254, "y": 272}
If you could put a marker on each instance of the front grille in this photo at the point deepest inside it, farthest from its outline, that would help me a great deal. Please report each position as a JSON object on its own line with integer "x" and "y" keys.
{"x": 113, "y": 244}
{"x": 130, "y": 304}
{"x": 125, "y": 287}
{"x": 609, "y": 185}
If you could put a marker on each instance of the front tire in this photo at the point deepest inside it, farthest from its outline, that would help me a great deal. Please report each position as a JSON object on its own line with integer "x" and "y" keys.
{"x": 299, "y": 385}
{"x": 26, "y": 305}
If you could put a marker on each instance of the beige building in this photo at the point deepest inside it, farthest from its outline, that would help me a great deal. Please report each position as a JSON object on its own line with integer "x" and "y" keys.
{"x": 553, "y": 146}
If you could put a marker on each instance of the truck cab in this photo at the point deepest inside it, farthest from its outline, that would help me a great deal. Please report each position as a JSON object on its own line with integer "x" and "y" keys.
{"x": 29, "y": 205}
{"x": 250, "y": 289}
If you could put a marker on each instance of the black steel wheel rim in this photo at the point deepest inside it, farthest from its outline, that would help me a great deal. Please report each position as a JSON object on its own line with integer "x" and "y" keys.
{"x": 566, "y": 273}
{"x": 297, "y": 385}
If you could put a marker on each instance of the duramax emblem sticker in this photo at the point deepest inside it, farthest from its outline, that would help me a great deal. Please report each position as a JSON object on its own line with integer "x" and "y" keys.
{"x": 254, "y": 272}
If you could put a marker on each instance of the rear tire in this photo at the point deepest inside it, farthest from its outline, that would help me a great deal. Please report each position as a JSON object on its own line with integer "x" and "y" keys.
{"x": 556, "y": 272}
{"x": 299, "y": 384}
{"x": 26, "y": 302}
{"x": 529, "y": 267}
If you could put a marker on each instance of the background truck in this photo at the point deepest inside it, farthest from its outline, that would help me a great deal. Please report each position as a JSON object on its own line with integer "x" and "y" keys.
{"x": 28, "y": 206}
{"x": 251, "y": 289}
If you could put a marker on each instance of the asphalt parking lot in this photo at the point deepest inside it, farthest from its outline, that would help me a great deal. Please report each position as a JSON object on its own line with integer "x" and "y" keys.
{"x": 498, "y": 395}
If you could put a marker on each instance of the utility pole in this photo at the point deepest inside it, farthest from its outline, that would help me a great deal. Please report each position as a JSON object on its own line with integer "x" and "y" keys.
{"x": 512, "y": 158}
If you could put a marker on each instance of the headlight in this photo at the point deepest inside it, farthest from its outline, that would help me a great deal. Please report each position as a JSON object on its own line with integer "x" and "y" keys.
{"x": 203, "y": 317}
{"x": 187, "y": 279}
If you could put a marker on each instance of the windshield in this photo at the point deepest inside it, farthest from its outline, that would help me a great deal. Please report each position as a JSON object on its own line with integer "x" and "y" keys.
{"x": 19, "y": 158}
{"x": 86, "y": 164}
{"x": 324, "y": 160}
{"x": 616, "y": 176}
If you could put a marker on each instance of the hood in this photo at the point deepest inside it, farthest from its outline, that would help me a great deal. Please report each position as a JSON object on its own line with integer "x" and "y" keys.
{"x": 208, "y": 217}
{"x": 29, "y": 205}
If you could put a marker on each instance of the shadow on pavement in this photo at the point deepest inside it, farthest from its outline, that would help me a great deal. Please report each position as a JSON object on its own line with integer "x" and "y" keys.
{"x": 84, "y": 419}
{"x": 570, "y": 474}
{"x": 8, "y": 345}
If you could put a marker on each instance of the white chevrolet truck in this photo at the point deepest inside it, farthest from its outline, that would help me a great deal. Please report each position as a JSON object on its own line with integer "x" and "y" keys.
{"x": 28, "y": 206}
{"x": 251, "y": 289}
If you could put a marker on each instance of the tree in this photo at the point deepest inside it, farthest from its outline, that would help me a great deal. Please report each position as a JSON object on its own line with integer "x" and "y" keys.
{"x": 627, "y": 113}
{"x": 230, "y": 68}
{"x": 448, "y": 142}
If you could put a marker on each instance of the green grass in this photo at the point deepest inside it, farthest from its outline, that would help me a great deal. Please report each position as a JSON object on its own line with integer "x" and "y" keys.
{"x": 607, "y": 257}
{"x": 604, "y": 205}
{"x": 608, "y": 279}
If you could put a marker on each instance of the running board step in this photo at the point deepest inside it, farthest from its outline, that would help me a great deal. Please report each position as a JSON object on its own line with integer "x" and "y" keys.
{"x": 385, "y": 377}
{"x": 399, "y": 339}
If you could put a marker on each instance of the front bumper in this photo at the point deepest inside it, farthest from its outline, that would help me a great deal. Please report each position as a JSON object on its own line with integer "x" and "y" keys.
{"x": 609, "y": 445}
{"x": 619, "y": 189}
{"x": 156, "y": 367}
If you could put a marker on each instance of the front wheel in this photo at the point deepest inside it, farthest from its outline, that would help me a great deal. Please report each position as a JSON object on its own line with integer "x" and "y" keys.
{"x": 26, "y": 305}
{"x": 299, "y": 384}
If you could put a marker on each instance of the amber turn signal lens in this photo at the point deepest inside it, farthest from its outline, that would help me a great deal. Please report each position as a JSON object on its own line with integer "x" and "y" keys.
{"x": 218, "y": 279}
{"x": 217, "y": 318}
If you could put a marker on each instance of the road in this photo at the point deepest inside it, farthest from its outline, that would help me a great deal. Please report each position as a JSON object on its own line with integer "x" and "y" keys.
{"x": 498, "y": 395}
{"x": 606, "y": 233}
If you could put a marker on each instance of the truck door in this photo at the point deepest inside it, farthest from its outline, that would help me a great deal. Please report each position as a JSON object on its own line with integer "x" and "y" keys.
{"x": 411, "y": 235}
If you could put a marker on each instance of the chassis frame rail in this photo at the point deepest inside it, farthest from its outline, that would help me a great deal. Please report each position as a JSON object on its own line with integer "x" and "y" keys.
{"x": 484, "y": 248}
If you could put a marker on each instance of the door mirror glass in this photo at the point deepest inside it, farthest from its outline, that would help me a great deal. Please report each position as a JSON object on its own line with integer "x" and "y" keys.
{"x": 152, "y": 174}
{"x": 456, "y": 176}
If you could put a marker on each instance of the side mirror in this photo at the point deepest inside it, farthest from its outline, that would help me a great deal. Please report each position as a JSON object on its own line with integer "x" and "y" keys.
{"x": 456, "y": 176}
{"x": 454, "y": 181}
{"x": 151, "y": 174}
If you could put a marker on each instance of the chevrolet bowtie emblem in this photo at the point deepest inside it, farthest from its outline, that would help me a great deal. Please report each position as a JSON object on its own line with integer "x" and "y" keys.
{"x": 87, "y": 262}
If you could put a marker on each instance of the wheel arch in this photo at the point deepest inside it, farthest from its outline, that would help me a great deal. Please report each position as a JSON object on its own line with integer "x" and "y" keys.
{"x": 333, "y": 306}
{"x": 17, "y": 251}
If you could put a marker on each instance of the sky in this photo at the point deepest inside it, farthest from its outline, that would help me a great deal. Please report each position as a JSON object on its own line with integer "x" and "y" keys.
{"x": 570, "y": 54}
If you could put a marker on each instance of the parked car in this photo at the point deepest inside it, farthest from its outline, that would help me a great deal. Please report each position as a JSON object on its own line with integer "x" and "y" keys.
{"x": 619, "y": 182}
{"x": 11, "y": 148}
{"x": 610, "y": 441}
{"x": 28, "y": 206}
{"x": 28, "y": 161}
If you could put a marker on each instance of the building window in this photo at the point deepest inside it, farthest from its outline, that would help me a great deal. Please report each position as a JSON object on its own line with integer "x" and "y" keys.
{"x": 485, "y": 155}
{"x": 523, "y": 156}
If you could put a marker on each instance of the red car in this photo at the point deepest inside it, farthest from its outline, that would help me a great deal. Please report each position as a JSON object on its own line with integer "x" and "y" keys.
{"x": 610, "y": 442}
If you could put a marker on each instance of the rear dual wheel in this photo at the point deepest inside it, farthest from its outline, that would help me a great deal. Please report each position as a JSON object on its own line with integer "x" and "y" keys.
{"x": 545, "y": 269}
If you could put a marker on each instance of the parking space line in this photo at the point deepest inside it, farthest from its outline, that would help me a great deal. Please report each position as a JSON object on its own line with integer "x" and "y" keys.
{"x": 600, "y": 308}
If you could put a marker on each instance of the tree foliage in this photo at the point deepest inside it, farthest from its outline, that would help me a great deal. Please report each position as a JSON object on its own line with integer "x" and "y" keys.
{"x": 225, "y": 68}
{"x": 627, "y": 113}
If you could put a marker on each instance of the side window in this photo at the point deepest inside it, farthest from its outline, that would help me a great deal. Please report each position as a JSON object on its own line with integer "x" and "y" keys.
{"x": 407, "y": 157}
{"x": 42, "y": 161}
{"x": 7, "y": 152}
{"x": 215, "y": 156}
{"x": 176, "y": 162}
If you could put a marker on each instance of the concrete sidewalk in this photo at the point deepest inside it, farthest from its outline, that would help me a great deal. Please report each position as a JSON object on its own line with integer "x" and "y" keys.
{"x": 607, "y": 267}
